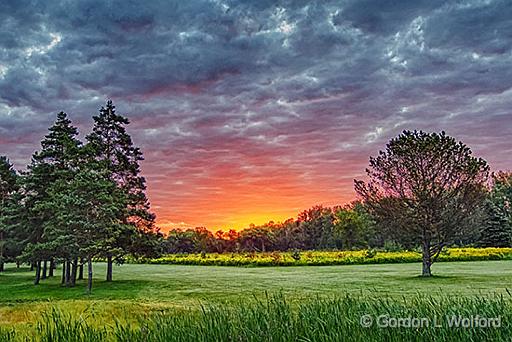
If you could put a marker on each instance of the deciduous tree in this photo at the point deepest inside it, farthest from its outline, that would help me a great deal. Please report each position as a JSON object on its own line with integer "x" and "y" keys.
{"x": 426, "y": 185}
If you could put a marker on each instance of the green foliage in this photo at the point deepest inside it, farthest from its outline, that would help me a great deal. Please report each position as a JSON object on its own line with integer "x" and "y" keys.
{"x": 57, "y": 161}
{"x": 110, "y": 149}
{"x": 392, "y": 246}
{"x": 8, "y": 178}
{"x": 497, "y": 230}
{"x": 317, "y": 226}
{"x": 87, "y": 216}
{"x": 354, "y": 227}
{"x": 8, "y": 186}
{"x": 370, "y": 253}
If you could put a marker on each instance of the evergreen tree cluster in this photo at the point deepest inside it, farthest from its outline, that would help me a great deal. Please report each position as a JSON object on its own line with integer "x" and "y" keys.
{"x": 76, "y": 202}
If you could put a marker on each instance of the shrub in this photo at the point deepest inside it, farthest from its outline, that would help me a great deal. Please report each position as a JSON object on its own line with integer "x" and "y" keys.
{"x": 296, "y": 255}
{"x": 370, "y": 253}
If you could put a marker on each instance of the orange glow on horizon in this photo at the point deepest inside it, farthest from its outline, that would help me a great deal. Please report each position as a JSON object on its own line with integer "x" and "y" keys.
{"x": 237, "y": 223}
{"x": 238, "y": 218}
{"x": 225, "y": 189}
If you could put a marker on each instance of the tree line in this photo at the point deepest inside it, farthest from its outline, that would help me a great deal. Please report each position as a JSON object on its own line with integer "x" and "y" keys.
{"x": 318, "y": 228}
{"x": 77, "y": 201}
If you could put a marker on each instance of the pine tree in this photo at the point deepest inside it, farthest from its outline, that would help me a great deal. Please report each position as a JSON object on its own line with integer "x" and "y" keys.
{"x": 57, "y": 160}
{"x": 113, "y": 150}
{"x": 497, "y": 231}
{"x": 8, "y": 186}
{"x": 88, "y": 212}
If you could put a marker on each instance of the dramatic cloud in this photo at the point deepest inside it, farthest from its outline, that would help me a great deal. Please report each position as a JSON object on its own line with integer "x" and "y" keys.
{"x": 254, "y": 110}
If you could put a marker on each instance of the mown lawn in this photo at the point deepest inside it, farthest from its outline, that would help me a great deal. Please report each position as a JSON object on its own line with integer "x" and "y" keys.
{"x": 146, "y": 288}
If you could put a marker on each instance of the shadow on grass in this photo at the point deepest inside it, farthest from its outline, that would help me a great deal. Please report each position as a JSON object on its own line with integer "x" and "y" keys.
{"x": 51, "y": 289}
{"x": 21, "y": 269}
{"x": 423, "y": 279}
{"x": 434, "y": 277}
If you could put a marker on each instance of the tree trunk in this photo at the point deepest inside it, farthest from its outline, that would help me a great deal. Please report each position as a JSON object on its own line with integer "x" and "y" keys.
{"x": 1, "y": 251}
{"x": 109, "y": 267}
{"x": 427, "y": 260}
{"x": 63, "y": 281}
{"x": 68, "y": 273}
{"x": 89, "y": 275}
{"x": 17, "y": 264}
{"x": 38, "y": 273}
{"x": 74, "y": 266}
{"x": 45, "y": 270}
{"x": 32, "y": 266}
{"x": 52, "y": 268}
{"x": 81, "y": 270}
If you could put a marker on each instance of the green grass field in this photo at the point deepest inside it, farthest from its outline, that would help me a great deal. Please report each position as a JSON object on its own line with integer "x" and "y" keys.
{"x": 146, "y": 288}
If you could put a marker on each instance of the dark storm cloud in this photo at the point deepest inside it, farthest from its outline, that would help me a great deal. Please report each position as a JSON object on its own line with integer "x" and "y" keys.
{"x": 259, "y": 92}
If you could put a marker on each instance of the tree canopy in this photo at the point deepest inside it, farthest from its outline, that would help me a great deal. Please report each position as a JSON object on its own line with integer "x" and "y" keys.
{"x": 427, "y": 186}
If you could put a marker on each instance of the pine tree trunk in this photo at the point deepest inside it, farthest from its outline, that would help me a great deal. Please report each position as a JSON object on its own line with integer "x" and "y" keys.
{"x": 81, "y": 270}
{"x": 52, "y": 268}
{"x": 427, "y": 260}
{"x": 109, "y": 267}
{"x": 1, "y": 251}
{"x": 63, "y": 281}
{"x": 38, "y": 273}
{"x": 89, "y": 275}
{"x": 45, "y": 270}
{"x": 68, "y": 273}
{"x": 74, "y": 266}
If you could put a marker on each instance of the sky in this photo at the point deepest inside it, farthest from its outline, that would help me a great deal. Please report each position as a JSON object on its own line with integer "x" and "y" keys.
{"x": 250, "y": 111}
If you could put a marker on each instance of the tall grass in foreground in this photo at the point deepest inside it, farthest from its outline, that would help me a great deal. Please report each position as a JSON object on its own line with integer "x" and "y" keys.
{"x": 274, "y": 319}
